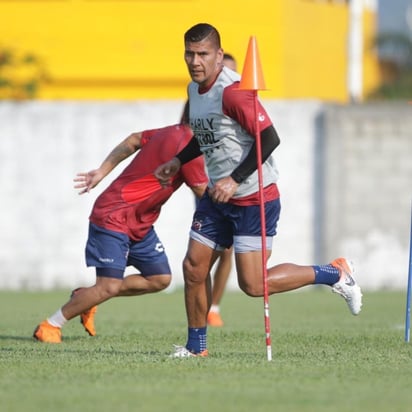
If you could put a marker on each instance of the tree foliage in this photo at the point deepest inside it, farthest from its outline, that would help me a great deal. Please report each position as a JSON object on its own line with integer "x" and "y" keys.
{"x": 21, "y": 74}
{"x": 395, "y": 53}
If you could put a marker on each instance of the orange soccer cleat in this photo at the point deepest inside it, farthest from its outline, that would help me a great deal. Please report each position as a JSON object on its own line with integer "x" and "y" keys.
{"x": 214, "y": 319}
{"x": 47, "y": 333}
{"x": 87, "y": 318}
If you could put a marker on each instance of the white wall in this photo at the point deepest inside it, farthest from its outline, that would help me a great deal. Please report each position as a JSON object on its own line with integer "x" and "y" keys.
{"x": 43, "y": 221}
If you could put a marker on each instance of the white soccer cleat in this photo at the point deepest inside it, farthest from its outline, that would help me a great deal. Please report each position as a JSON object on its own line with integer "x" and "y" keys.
{"x": 347, "y": 286}
{"x": 183, "y": 352}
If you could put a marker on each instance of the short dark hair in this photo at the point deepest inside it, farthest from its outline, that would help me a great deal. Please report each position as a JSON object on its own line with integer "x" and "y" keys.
{"x": 228, "y": 56}
{"x": 202, "y": 31}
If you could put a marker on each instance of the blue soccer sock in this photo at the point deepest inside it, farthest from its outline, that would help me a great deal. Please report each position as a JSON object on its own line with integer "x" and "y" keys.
{"x": 326, "y": 275}
{"x": 197, "y": 338}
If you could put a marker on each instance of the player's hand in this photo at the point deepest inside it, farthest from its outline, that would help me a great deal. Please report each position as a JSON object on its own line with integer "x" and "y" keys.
{"x": 223, "y": 190}
{"x": 166, "y": 171}
{"x": 87, "y": 181}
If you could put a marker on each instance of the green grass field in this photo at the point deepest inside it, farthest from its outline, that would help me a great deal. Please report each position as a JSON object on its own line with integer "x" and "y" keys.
{"x": 324, "y": 359}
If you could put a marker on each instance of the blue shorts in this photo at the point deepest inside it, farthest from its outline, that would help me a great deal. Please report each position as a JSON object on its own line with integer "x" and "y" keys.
{"x": 111, "y": 252}
{"x": 219, "y": 225}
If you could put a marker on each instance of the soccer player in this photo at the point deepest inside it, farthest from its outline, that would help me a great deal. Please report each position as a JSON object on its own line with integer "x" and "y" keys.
{"x": 121, "y": 229}
{"x": 223, "y": 121}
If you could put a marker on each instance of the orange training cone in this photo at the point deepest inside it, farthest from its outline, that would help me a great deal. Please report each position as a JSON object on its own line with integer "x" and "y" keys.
{"x": 252, "y": 74}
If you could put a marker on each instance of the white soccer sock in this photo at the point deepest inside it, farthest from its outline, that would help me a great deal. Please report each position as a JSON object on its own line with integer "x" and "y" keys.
{"x": 214, "y": 308}
{"x": 57, "y": 320}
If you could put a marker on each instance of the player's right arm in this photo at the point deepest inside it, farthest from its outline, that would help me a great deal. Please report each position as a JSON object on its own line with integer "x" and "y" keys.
{"x": 87, "y": 181}
{"x": 167, "y": 170}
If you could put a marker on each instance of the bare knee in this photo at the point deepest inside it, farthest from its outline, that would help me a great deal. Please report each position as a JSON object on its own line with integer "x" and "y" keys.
{"x": 251, "y": 289}
{"x": 160, "y": 283}
{"x": 108, "y": 287}
{"x": 193, "y": 273}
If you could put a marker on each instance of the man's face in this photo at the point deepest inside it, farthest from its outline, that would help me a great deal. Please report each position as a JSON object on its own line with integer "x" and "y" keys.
{"x": 204, "y": 61}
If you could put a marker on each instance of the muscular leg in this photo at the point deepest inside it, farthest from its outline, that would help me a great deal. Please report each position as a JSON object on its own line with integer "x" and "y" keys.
{"x": 85, "y": 300}
{"x": 107, "y": 288}
{"x": 104, "y": 289}
{"x": 196, "y": 266}
{"x": 134, "y": 285}
{"x": 281, "y": 278}
{"x": 289, "y": 276}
